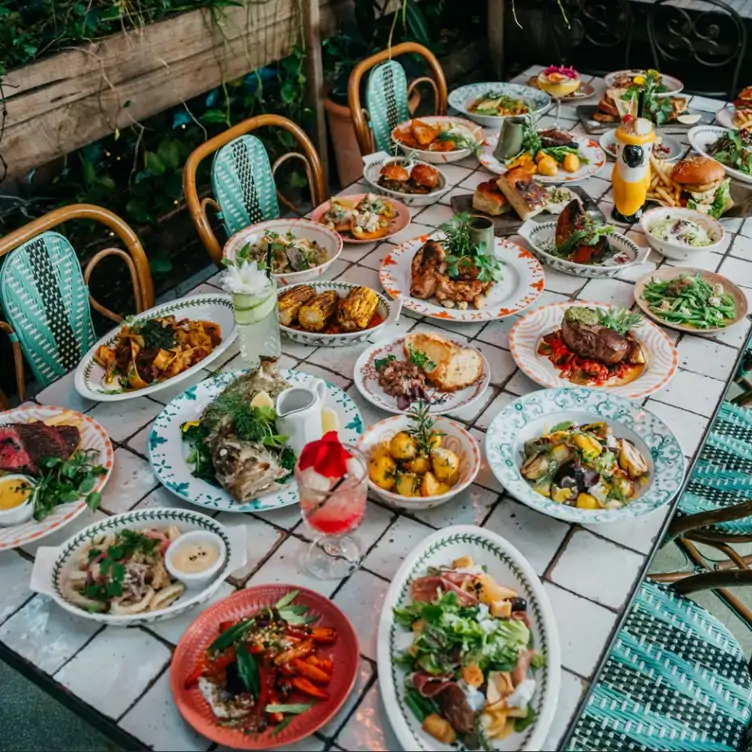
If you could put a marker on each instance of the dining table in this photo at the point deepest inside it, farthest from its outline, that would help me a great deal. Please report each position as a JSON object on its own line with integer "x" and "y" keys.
{"x": 118, "y": 679}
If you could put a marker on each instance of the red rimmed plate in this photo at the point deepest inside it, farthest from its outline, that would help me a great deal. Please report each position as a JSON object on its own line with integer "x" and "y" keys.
{"x": 196, "y": 711}
{"x": 521, "y": 284}
{"x": 93, "y": 436}
{"x": 398, "y": 223}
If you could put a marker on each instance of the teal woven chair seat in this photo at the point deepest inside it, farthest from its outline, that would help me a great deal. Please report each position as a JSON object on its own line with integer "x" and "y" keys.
{"x": 676, "y": 679}
{"x": 386, "y": 100}
{"x": 722, "y": 476}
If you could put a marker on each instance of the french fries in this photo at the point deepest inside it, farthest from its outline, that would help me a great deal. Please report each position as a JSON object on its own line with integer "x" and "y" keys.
{"x": 662, "y": 189}
{"x": 743, "y": 119}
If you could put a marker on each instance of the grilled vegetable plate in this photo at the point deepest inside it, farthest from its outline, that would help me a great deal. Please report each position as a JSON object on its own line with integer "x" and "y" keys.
{"x": 344, "y": 325}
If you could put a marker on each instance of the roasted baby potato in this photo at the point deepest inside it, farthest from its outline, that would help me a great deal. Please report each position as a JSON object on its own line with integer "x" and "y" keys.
{"x": 446, "y": 465}
{"x": 571, "y": 163}
{"x": 421, "y": 464}
{"x": 439, "y": 728}
{"x": 407, "y": 484}
{"x": 430, "y": 485}
{"x": 403, "y": 446}
{"x": 382, "y": 470}
{"x": 548, "y": 166}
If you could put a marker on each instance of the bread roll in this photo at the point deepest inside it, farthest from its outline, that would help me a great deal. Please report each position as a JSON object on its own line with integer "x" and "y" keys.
{"x": 489, "y": 199}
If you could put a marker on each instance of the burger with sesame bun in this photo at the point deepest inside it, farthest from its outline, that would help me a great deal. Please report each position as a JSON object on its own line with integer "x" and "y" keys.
{"x": 704, "y": 185}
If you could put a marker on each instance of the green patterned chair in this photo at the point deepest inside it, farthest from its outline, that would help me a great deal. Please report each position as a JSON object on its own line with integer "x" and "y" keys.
{"x": 676, "y": 679}
{"x": 244, "y": 191}
{"x": 45, "y": 295}
{"x": 387, "y": 95}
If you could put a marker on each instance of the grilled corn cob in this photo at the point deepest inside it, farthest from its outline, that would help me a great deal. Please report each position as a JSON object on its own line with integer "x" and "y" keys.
{"x": 290, "y": 301}
{"x": 357, "y": 309}
{"x": 318, "y": 312}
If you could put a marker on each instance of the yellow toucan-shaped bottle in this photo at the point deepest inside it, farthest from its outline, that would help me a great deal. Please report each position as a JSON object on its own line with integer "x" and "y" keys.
{"x": 631, "y": 175}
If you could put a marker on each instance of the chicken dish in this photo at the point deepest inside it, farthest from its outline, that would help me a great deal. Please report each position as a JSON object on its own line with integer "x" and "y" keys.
{"x": 124, "y": 573}
{"x": 266, "y": 668}
{"x": 367, "y": 219}
{"x": 595, "y": 347}
{"x": 471, "y": 664}
{"x": 283, "y": 253}
{"x": 586, "y": 466}
{"x": 235, "y": 443}
{"x": 442, "y": 136}
{"x": 154, "y": 350}
{"x": 453, "y": 270}
{"x": 301, "y": 307}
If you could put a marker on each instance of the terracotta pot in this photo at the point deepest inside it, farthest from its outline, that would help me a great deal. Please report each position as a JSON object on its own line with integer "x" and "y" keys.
{"x": 346, "y": 151}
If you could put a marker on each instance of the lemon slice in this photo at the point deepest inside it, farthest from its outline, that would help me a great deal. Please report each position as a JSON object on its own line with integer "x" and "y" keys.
{"x": 329, "y": 420}
{"x": 262, "y": 399}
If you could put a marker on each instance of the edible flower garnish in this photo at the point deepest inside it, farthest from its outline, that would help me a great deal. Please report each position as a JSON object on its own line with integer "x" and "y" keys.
{"x": 327, "y": 456}
{"x": 561, "y": 70}
{"x": 246, "y": 278}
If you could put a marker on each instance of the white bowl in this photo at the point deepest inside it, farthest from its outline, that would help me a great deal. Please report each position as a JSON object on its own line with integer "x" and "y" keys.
{"x": 23, "y": 512}
{"x": 673, "y": 250}
{"x": 301, "y": 228}
{"x": 455, "y": 438}
{"x": 462, "y": 99}
{"x": 441, "y": 157}
{"x": 195, "y": 580}
{"x": 372, "y": 166}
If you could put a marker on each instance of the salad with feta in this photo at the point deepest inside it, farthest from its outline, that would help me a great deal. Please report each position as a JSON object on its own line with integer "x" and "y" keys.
{"x": 471, "y": 662}
{"x": 683, "y": 231}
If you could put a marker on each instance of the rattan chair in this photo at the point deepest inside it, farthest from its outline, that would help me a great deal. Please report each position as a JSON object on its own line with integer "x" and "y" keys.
{"x": 703, "y": 42}
{"x": 676, "y": 678}
{"x": 243, "y": 180}
{"x": 388, "y": 93}
{"x": 45, "y": 296}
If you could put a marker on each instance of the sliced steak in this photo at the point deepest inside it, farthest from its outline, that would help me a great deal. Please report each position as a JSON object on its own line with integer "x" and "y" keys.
{"x": 23, "y": 445}
{"x": 13, "y": 457}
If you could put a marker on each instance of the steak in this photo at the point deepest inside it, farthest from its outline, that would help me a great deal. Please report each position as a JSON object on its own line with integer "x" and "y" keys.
{"x": 24, "y": 445}
{"x": 552, "y": 137}
{"x": 595, "y": 341}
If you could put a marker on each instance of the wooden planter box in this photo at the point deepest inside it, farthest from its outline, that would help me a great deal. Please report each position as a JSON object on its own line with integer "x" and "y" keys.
{"x": 77, "y": 96}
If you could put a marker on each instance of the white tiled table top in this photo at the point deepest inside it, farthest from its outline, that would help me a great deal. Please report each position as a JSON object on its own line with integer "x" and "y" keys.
{"x": 589, "y": 573}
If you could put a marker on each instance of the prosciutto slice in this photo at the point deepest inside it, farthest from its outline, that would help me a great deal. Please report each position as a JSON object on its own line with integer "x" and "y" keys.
{"x": 429, "y": 685}
{"x": 519, "y": 672}
{"x": 450, "y": 697}
{"x": 425, "y": 590}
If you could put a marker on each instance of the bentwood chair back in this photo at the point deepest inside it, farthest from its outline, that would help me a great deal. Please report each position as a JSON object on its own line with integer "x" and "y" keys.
{"x": 704, "y": 44}
{"x": 243, "y": 181}
{"x": 387, "y": 95}
{"x": 45, "y": 295}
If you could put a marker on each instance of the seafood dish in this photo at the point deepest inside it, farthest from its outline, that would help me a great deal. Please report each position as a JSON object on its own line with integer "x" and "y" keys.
{"x": 581, "y": 237}
{"x": 42, "y": 466}
{"x": 410, "y": 177}
{"x": 690, "y": 301}
{"x": 414, "y": 462}
{"x": 267, "y": 668}
{"x": 368, "y": 219}
{"x": 454, "y": 270}
{"x": 595, "y": 347}
{"x": 471, "y": 664}
{"x": 301, "y": 307}
{"x": 432, "y": 363}
{"x": 585, "y": 466}
{"x": 497, "y": 104}
{"x": 154, "y": 350}
{"x": 124, "y": 573}
{"x": 441, "y": 136}
{"x": 283, "y": 253}
{"x": 235, "y": 443}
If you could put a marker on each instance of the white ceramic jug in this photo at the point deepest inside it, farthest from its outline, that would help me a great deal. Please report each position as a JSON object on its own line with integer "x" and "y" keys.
{"x": 299, "y": 413}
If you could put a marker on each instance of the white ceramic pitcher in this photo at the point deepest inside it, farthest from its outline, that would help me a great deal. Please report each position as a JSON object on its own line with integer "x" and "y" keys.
{"x": 299, "y": 413}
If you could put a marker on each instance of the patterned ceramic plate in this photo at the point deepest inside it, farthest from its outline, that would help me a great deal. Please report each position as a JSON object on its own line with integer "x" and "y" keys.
{"x": 669, "y": 149}
{"x": 509, "y": 568}
{"x": 520, "y": 286}
{"x": 702, "y": 137}
{"x": 541, "y": 237}
{"x": 673, "y": 85}
{"x": 387, "y": 311}
{"x": 588, "y": 149}
{"x": 726, "y": 117}
{"x": 662, "y": 356}
{"x": 438, "y": 157}
{"x": 52, "y": 565}
{"x": 374, "y": 163}
{"x": 367, "y": 380}
{"x": 211, "y": 307}
{"x": 464, "y": 98}
{"x": 168, "y": 453}
{"x": 93, "y": 436}
{"x": 400, "y": 221}
{"x": 531, "y": 416}
{"x": 343, "y": 653}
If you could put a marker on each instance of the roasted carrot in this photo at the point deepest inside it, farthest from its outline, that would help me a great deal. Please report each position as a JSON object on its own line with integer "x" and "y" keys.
{"x": 309, "y": 688}
{"x": 324, "y": 664}
{"x": 310, "y": 672}
{"x": 220, "y": 663}
{"x": 225, "y": 625}
{"x": 323, "y": 635}
{"x": 299, "y": 651}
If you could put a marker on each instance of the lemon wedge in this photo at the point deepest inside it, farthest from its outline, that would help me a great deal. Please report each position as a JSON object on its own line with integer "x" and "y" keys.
{"x": 262, "y": 399}
{"x": 329, "y": 420}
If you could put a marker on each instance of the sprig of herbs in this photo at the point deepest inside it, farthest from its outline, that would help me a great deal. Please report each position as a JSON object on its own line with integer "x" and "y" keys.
{"x": 619, "y": 319}
{"x": 463, "y": 252}
{"x": 422, "y": 427}
{"x": 64, "y": 481}
{"x": 380, "y": 363}
{"x": 656, "y": 108}
{"x": 421, "y": 360}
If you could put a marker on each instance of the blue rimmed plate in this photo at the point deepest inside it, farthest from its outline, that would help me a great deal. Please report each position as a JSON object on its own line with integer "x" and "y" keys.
{"x": 462, "y": 100}
{"x": 168, "y": 453}
{"x": 534, "y": 414}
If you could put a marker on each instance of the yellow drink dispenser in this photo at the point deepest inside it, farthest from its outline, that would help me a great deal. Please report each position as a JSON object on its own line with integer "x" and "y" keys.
{"x": 631, "y": 175}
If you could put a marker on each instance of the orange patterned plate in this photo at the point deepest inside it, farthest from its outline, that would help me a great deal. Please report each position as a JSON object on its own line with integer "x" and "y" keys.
{"x": 93, "y": 436}
{"x": 398, "y": 223}
{"x": 196, "y": 711}
{"x": 522, "y": 282}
